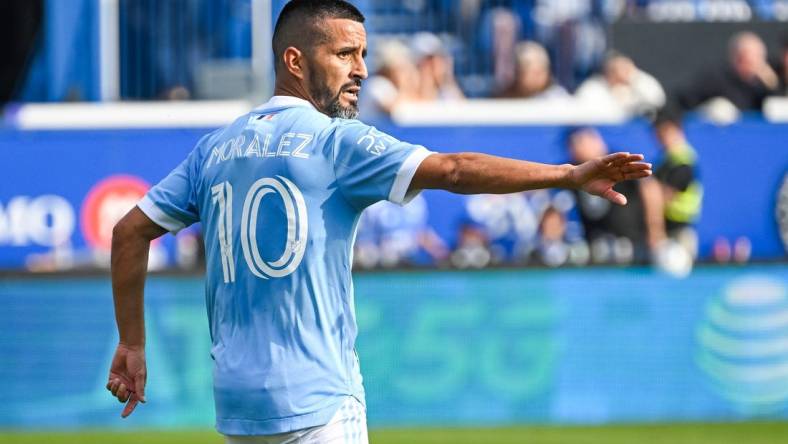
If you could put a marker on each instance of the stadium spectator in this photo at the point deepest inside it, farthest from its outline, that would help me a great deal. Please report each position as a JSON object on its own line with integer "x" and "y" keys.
{"x": 614, "y": 234}
{"x": 533, "y": 78}
{"x": 391, "y": 235}
{"x": 20, "y": 22}
{"x": 679, "y": 194}
{"x": 506, "y": 229}
{"x": 782, "y": 67}
{"x": 473, "y": 249}
{"x": 507, "y": 223}
{"x": 622, "y": 85}
{"x": 555, "y": 247}
{"x": 436, "y": 69}
{"x": 395, "y": 82}
{"x": 744, "y": 81}
{"x": 499, "y": 35}
{"x": 575, "y": 33}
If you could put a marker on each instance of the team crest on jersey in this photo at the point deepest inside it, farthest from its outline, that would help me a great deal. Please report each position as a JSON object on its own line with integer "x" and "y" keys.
{"x": 376, "y": 142}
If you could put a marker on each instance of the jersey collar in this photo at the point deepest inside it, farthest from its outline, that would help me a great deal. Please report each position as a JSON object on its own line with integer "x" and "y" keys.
{"x": 283, "y": 102}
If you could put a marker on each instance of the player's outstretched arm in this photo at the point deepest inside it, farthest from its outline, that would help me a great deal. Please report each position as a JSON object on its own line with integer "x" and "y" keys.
{"x": 475, "y": 173}
{"x": 131, "y": 239}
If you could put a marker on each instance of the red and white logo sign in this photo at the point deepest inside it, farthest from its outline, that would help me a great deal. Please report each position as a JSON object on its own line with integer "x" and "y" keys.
{"x": 106, "y": 203}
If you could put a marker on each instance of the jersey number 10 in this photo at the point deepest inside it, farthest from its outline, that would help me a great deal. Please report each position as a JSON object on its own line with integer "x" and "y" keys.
{"x": 297, "y": 227}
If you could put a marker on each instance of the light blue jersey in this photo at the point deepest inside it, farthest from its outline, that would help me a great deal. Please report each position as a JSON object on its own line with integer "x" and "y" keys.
{"x": 279, "y": 193}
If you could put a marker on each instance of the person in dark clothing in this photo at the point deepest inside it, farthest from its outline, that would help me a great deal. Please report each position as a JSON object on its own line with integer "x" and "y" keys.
{"x": 20, "y": 24}
{"x": 745, "y": 81}
{"x": 782, "y": 67}
{"x": 681, "y": 188}
{"x": 614, "y": 234}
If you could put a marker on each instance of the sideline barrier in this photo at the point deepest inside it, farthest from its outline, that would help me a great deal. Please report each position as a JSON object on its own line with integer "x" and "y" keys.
{"x": 491, "y": 347}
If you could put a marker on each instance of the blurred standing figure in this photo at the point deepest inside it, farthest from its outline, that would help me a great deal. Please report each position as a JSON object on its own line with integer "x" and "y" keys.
{"x": 622, "y": 85}
{"x": 500, "y": 32}
{"x": 782, "y": 67}
{"x": 436, "y": 69}
{"x": 673, "y": 198}
{"x": 614, "y": 234}
{"x": 575, "y": 31}
{"x": 395, "y": 82}
{"x": 533, "y": 78}
{"x": 20, "y": 22}
{"x": 744, "y": 82}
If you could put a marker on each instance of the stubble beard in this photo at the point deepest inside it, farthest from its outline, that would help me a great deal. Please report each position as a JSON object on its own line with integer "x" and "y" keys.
{"x": 329, "y": 102}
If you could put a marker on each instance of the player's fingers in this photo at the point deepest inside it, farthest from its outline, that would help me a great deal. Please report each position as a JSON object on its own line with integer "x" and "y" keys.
{"x": 639, "y": 166}
{"x": 630, "y": 158}
{"x": 123, "y": 393}
{"x": 139, "y": 385}
{"x": 610, "y": 158}
{"x": 616, "y": 198}
{"x": 637, "y": 174}
{"x": 132, "y": 404}
{"x": 127, "y": 382}
{"x": 635, "y": 157}
{"x": 114, "y": 386}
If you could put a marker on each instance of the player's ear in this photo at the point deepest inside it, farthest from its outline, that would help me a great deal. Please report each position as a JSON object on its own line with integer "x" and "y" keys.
{"x": 293, "y": 59}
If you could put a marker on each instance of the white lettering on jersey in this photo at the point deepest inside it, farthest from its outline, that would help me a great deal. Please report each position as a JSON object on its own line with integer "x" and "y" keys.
{"x": 305, "y": 139}
{"x": 223, "y": 198}
{"x": 376, "y": 142}
{"x": 234, "y": 148}
{"x": 297, "y": 227}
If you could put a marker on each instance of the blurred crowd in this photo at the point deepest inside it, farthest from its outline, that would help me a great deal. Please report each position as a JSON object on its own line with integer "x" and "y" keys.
{"x": 555, "y": 229}
{"x": 528, "y": 50}
{"x": 419, "y": 69}
{"x": 560, "y": 228}
{"x": 422, "y": 50}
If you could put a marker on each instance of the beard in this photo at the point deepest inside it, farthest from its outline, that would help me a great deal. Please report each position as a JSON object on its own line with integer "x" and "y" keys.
{"x": 329, "y": 101}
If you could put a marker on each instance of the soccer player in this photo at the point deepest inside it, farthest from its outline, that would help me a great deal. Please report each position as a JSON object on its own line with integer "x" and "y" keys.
{"x": 279, "y": 192}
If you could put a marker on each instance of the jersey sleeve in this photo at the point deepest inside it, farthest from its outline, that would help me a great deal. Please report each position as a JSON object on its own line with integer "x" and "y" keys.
{"x": 371, "y": 165}
{"x": 172, "y": 203}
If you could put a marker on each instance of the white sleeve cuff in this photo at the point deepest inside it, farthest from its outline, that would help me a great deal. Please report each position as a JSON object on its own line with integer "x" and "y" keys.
{"x": 158, "y": 216}
{"x": 399, "y": 190}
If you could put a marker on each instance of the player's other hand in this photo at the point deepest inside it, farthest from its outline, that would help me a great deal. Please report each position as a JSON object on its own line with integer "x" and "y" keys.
{"x": 598, "y": 176}
{"x": 127, "y": 376}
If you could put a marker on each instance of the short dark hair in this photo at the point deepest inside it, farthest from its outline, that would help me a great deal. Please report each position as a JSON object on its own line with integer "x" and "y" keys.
{"x": 299, "y": 24}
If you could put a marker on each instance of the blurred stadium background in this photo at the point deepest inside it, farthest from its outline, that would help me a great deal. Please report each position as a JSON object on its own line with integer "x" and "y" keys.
{"x": 536, "y": 317}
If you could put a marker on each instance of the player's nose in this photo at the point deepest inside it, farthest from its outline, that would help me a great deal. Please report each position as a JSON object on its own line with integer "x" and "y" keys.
{"x": 359, "y": 69}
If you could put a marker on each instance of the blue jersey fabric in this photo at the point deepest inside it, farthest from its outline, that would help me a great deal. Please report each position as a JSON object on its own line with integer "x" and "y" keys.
{"x": 279, "y": 193}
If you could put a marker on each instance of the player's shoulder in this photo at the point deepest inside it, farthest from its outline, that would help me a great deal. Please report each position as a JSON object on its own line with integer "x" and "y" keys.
{"x": 349, "y": 125}
{"x": 344, "y": 130}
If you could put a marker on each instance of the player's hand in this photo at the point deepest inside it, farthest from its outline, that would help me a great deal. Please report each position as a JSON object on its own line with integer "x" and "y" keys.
{"x": 598, "y": 176}
{"x": 127, "y": 376}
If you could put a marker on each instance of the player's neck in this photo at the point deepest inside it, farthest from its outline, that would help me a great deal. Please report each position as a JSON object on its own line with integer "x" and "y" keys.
{"x": 293, "y": 90}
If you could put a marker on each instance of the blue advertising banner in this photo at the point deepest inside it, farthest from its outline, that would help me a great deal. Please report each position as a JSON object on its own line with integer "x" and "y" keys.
{"x": 66, "y": 189}
{"x": 489, "y": 347}
{"x": 62, "y": 191}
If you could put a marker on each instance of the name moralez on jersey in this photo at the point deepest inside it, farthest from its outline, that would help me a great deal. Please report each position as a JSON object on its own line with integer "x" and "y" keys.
{"x": 249, "y": 144}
